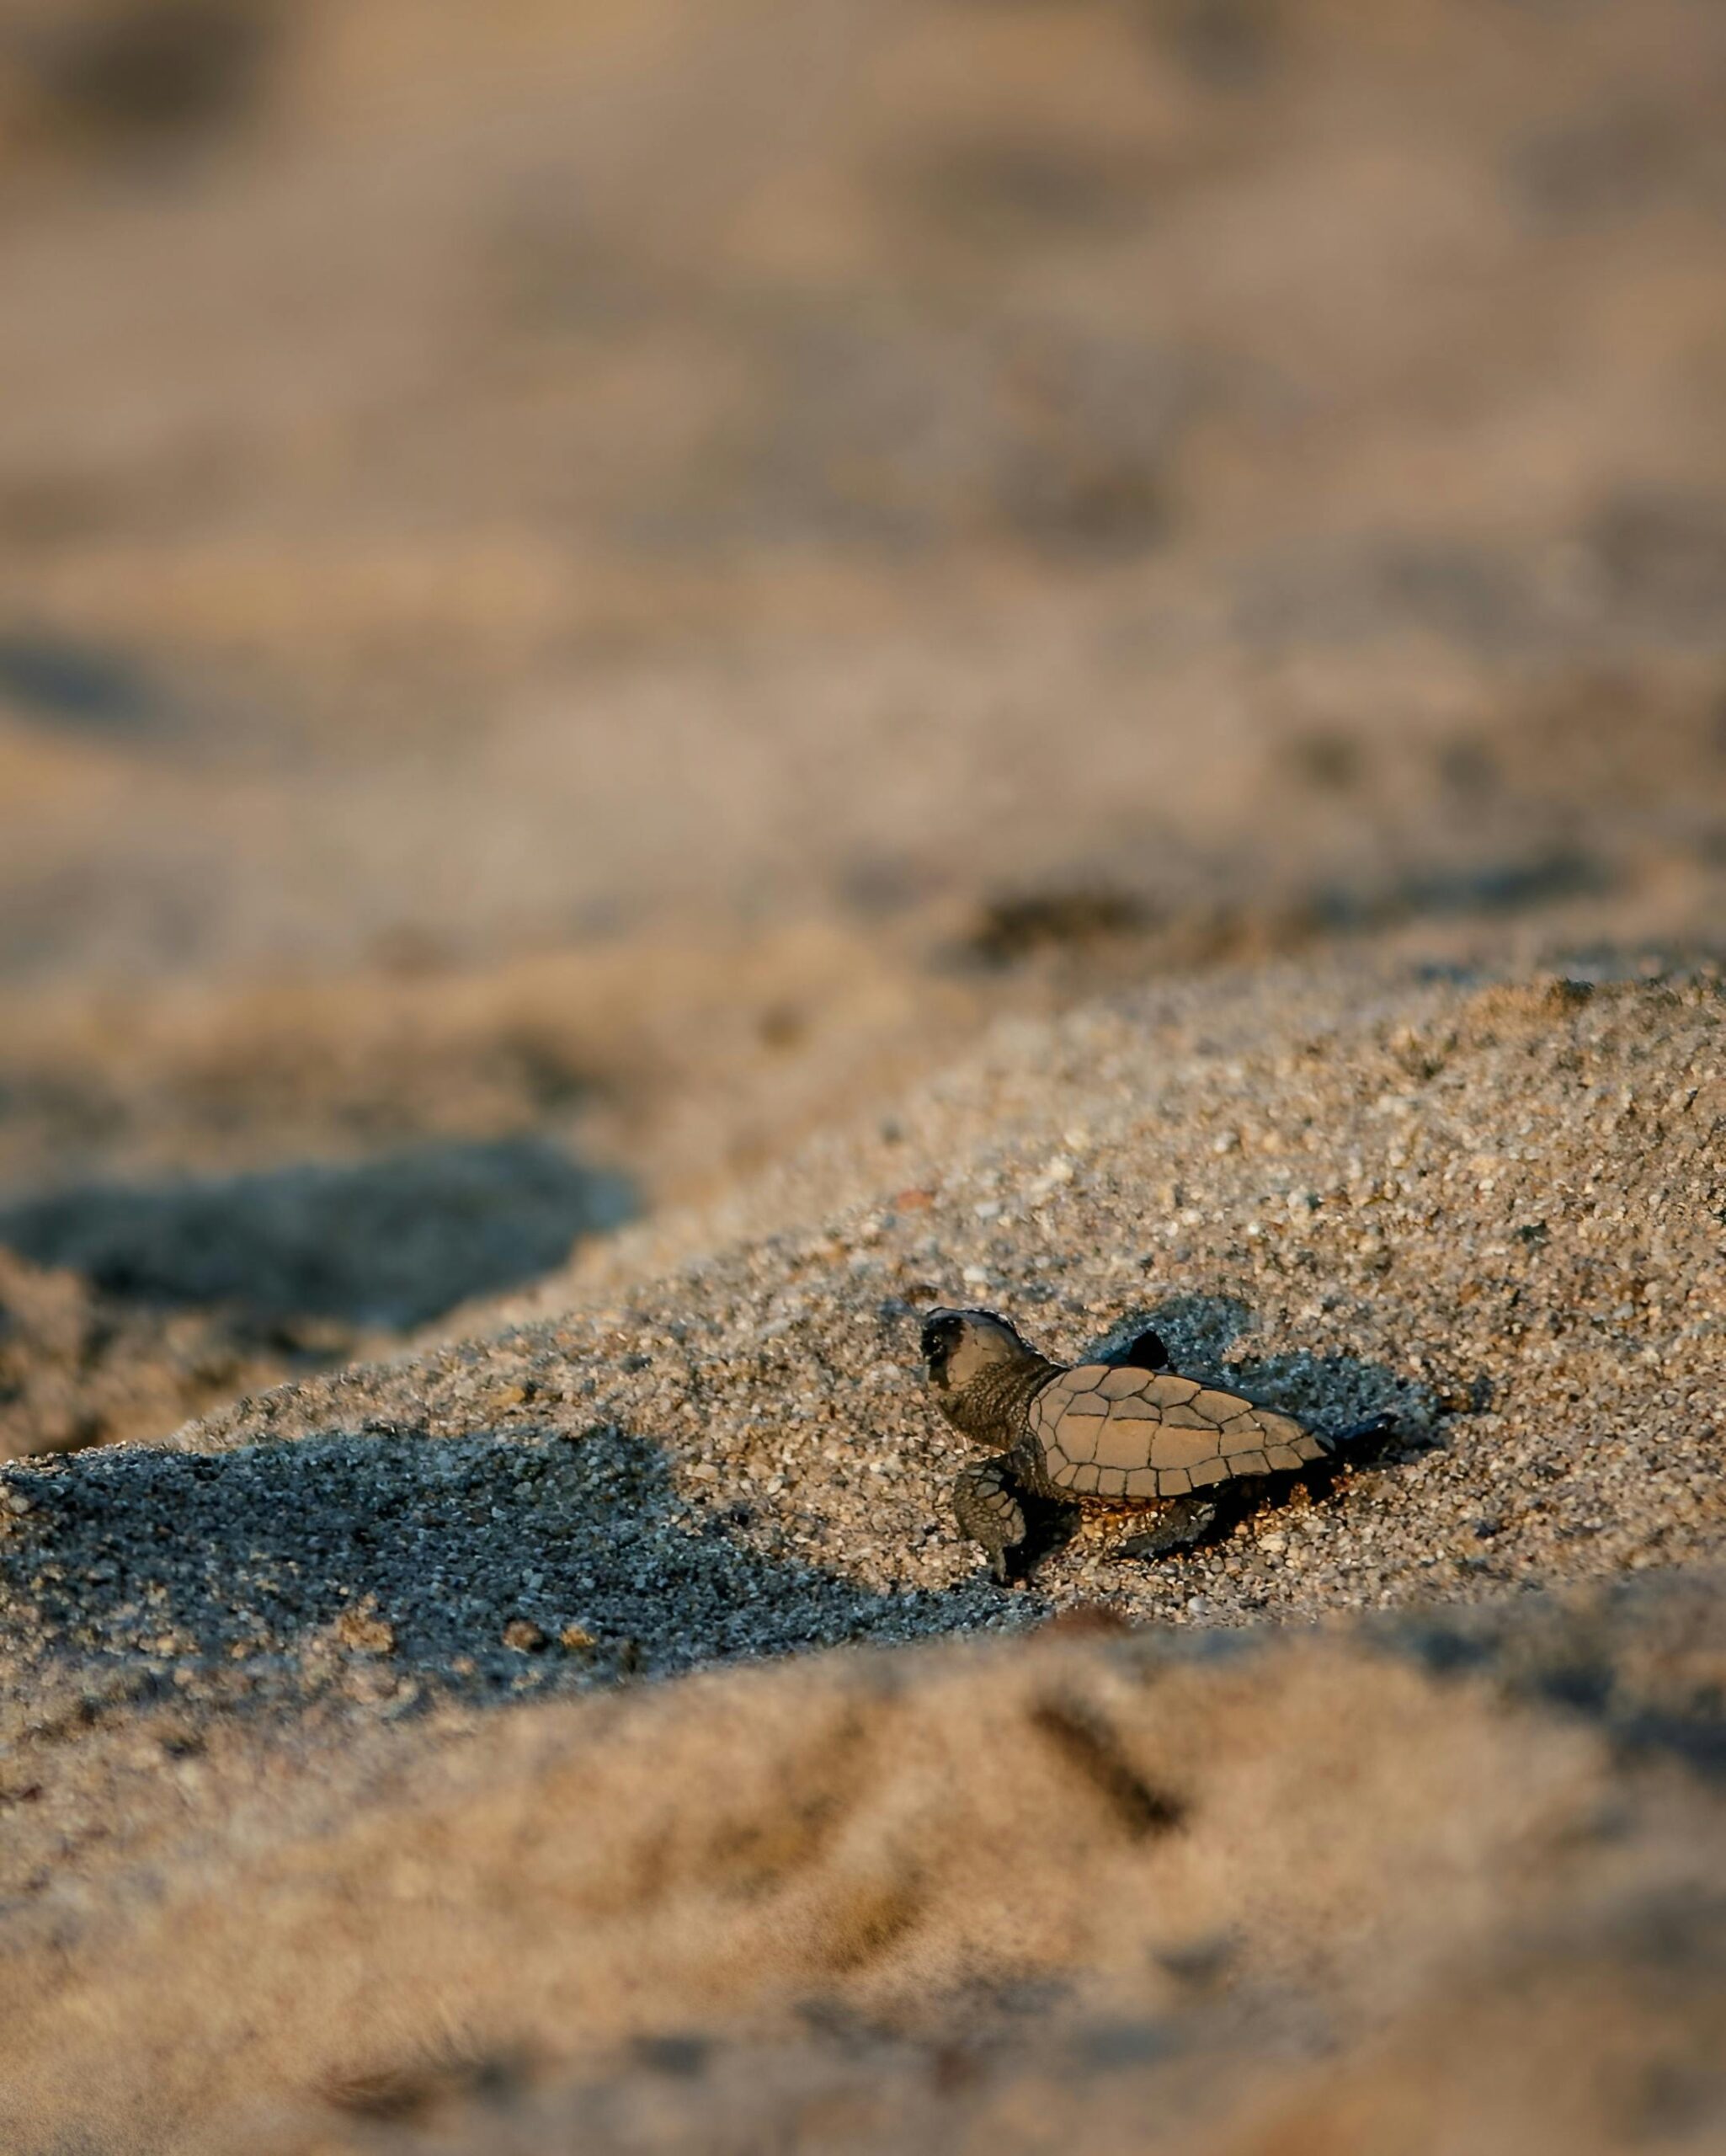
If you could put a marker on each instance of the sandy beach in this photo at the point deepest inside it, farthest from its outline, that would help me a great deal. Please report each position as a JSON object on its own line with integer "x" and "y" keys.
{"x": 675, "y": 682}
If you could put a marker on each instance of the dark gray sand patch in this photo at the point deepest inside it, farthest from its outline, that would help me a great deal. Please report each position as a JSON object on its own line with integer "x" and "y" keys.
{"x": 393, "y": 1241}
{"x": 480, "y": 1565}
{"x": 133, "y": 82}
{"x": 58, "y": 681}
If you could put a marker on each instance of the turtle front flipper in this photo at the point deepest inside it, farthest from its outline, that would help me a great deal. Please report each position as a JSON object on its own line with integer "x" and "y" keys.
{"x": 989, "y": 1507}
{"x": 1178, "y": 1526}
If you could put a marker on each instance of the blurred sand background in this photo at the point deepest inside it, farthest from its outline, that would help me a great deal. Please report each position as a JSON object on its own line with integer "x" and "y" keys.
{"x": 696, "y": 672}
{"x": 607, "y": 583}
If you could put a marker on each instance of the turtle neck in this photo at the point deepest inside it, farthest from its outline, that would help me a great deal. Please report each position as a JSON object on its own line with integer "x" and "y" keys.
{"x": 990, "y": 1411}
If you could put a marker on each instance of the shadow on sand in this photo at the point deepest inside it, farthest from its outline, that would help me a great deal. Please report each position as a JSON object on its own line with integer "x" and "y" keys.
{"x": 485, "y": 1565}
{"x": 1329, "y": 1392}
{"x": 392, "y": 1241}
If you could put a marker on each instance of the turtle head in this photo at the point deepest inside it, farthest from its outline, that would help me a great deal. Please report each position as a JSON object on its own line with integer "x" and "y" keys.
{"x": 965, "y": 1350}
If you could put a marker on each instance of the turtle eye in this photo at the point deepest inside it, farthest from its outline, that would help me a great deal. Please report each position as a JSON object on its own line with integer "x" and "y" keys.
{"x": 937, "y": 1339}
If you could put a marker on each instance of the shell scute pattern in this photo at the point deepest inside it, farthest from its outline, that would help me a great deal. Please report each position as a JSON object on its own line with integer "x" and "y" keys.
{"x": 1122, "y": 1444}
{"x": 1087, "y": 1408}
{"x": 1182, "y": 1449}
{"x": 1120, "y": 1385}
{"x": 1124, "y": 1434}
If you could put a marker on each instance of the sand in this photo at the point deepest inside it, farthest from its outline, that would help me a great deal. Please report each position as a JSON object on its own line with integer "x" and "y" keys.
{"x": 674, "y": 680}
{"x": 247, "y": 1665}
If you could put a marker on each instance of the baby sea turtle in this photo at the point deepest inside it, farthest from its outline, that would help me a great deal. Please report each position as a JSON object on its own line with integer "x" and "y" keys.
{"x": 1126, "y": 1432}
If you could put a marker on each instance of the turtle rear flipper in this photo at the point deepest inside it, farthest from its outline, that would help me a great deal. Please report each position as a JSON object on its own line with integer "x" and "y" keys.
{"x": 1382, "y": 1425}
{"x": 1179, "y": 1526}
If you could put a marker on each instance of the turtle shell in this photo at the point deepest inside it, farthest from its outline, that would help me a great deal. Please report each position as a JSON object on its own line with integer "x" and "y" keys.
{"x": 1127, "y": 1435}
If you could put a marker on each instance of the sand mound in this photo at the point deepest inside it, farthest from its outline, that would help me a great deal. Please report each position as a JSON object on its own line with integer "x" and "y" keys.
{"x": 277, "y": 1841}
